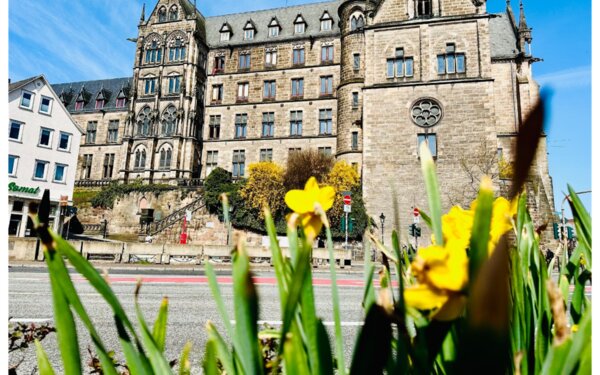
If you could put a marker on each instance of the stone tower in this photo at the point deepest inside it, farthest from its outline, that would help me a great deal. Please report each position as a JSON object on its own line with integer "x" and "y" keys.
{"x": 162, "y": 137}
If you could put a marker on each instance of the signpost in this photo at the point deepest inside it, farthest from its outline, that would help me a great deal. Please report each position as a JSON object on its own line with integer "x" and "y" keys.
{"x": 347, "y": 198}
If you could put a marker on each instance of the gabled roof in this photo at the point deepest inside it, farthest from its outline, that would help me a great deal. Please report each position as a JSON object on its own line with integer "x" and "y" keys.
{"x": 19, "y": 84}
{"x": 311, "y": 13}
{"x": 100, "y": 89}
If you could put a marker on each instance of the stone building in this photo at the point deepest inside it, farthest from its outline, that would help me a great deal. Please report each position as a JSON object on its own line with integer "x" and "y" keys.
{"x": 364, "y": 80}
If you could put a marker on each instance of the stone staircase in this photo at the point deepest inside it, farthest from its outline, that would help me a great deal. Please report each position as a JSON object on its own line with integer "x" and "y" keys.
{"x": 177, "y": 216}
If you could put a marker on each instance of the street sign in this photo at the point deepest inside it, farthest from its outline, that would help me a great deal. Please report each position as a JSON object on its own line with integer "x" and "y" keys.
{"x": 188, "y": 215}
{"x": 347, "y": 208}
{"x": 416, "y": 220}
{"x": 347, "y": 199}
{"x": 415, "y": 211}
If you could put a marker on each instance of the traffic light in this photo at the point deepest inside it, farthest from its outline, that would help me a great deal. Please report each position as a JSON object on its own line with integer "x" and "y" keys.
{"x": 570, "y": 233}
{"x": 556, "y": 232}
{"x": 411, "y": 230}
{"x": 417, "y": 231}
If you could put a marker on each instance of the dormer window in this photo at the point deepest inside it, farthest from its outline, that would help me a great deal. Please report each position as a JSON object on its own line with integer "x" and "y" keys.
{"x": 162, "y": 14}
{"x": 173, "y": 13}
{"x": 225, "y": 36}
{"x": 274, "y": 28}
{"x": 299, "y": 25}
{"x": 225, "y": 32}
{"x": 100, "y": 103}
{"x": 79, "y": 105}
{"x": 121, "y": 102}
{"x": 326, "y": 22}
{"x": 249, "y": 30}
{"x": 423, "y": 8}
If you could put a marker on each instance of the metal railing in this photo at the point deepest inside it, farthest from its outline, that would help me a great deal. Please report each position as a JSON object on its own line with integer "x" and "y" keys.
{"x": 159, "y": 226}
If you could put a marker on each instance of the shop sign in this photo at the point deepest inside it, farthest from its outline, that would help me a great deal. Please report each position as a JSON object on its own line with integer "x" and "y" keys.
{"x": 23, "y": 189}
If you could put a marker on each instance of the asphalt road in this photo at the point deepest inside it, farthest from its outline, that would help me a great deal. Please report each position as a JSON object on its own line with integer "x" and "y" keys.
{"x": 190, "y": 306}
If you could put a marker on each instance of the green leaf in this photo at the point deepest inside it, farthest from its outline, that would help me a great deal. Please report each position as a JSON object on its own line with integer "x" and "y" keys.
{"x": 278, "y": 262}
{"x": 339, "y": 344}
{"x": 309, "y": 322}
{"x": 295, "y": 360}
{"x": 433, "y": 193}
{"x": 44, "y": 366}
{"x": 209, "y": 364}
{"x": 369, "y": 297}
{"x": 185, "y": 366}
{"x": 325, "y": 357}
{"x": 159, "y": 331}
{"x": 583, "y": 225}
{"x": 63, "y": 318}
{"x": 373, "y": 346}
{"x": 582, "y": 342}
{"x": 224, "y": 354}
{"x": 214, "y": 287}
{"x": 426, "y": 219}
{"x": 245, "y": 303}
{"x": 480, "y": 234}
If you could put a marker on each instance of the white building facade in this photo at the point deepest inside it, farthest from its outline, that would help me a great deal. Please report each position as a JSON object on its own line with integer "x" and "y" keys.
{"x": 42, "y": 153}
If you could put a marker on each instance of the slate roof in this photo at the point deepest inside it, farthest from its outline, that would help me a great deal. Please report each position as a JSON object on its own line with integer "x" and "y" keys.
{"x": 310, "y": 12}
{"x": 89, "y": 90}
{"x": 503, "y": 37}
{"x": 24, "y": 82}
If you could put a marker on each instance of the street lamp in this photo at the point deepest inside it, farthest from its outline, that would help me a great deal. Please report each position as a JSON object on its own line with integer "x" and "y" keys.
{"x": 382, "y": 218}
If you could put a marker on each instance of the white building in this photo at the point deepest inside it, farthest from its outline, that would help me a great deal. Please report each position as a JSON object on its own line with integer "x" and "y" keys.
{"x": 42, "y": 153}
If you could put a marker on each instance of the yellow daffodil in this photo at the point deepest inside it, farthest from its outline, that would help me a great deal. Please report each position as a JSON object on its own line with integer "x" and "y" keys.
{"x": 307, "y": 203}
{"x": 442, "y": 274}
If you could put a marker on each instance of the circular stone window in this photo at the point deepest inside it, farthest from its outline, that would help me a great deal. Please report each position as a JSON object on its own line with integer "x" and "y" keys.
{"x": 426, "y": 113}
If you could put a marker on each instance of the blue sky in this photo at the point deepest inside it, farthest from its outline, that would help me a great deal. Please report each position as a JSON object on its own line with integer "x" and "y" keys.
{"x": 72, "y": 41}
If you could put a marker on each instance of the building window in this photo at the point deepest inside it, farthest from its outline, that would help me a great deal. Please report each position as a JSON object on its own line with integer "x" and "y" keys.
{"x": 45, "y": 105}
{"x": 64, "y": 142}
{"x": 140, "y": 160}
{"x": 225, "y": 36}
{"x": 212, "y": 159}
{"x": 451, "y": 62}
{"x": 266, "y": 154}
{"x": 150, "y": 86}
{"x": 86, "y": 166}
{"x": 13, "y": 162}
{"x": 297, "y": 88}
{"x": 269, "y": 91}
{"x": 270, "y": 58}
{"x": 298, "y": 56}
{"x": 45, "y": 137}
{"x": 354, "y": 100}
{"x": 242, "y": 95}
{"x": 153, "y": 53}
{"x": 214, "y": 128}
{"x": 60, "y": 171}
{"x": 174, "y": 84}
{"x": 326, "y": 85}
{"x": 177, "y": 52}
{"x": 295, "y": 123}
{"x": 39, "y": 172}
{"x": 273, "y": 31}
{"x": 426, "y": 112}
{"x": 109, "y": 164}
{"x": 162, "y": 14}
{"x": 113, "y": 131}
{"x": 326, "y": 22}
{"x": 15, "y": 132}
{"x": 217, "y": 94}
{"x": 219, "y": 64}
{"x": 99, "y": 103}
{"x": 249, "y": 34}
{"x": 143, "y": 122}
{"x": 90, "y": 136}
{"x": 325, "y": 122}
{"x": 26, "y": 100}
{"x": 173, "y": 14}
{"x": 325, "y": 150}
{"x": 239, "y": 163}
{"x": 326, "y": 54}
{"x": 121, "y": 102}
{"x": 79, "y": 105}
{"x": 354, "y": 141}
{"x": 400, "y": 65}
{"x": 293, "y": 150}
{"x": 431, "y": 141}
{"x": 244, "y": 61}
{"x": 423, "y": 8}
{"x": 299, "y": 28}
{"x": 268, "y": 124}
{"x": 169, "y": 121}
{"x": 241, "y": 125}
{"x": 165, "y": 158}
{"x": 357, "y": 23}
{"x": 356, "y": 61}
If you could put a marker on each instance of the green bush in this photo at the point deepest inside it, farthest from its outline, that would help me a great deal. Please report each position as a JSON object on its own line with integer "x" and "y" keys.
{"x": 106, "y": 197}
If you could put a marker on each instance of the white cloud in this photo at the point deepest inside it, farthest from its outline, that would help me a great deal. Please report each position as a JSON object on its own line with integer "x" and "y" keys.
{"x": 567, "y": 78}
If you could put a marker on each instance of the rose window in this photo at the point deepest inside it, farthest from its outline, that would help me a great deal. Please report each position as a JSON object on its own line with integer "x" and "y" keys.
{"x": 426, "y": 113}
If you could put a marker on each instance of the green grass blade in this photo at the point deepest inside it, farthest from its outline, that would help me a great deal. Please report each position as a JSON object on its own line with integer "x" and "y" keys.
{"x": 214, "y": 287}
{"x": 583, "y": 225}
{"x": 223, "y": 353}
{"x": 294, "y": 357}
{"x": 325, "y": 356}
{"x": 373, "y": 347}
{"x": 44, "y": 366}
{"x": 582, "y": 342}
{"x": 433, "y": 192}
{"x": 185, "y": 366}
{"x": 339, "y": 342}
{"x": 426, "y": 219}
{"x": 159, "y": 331}
{"x": 209, "y": 364}
{"x": 369, "y": 297}
{"x": 309, "y": 322}
{"x": 480, "y": 234}
{"x": 278, "y": 262}
{"x": 245, "y": 301}
{"x": 66, "y": 330}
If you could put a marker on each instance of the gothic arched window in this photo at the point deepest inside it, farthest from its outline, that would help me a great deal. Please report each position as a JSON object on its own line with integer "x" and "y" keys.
{"x": 173, "y": 13}
{"x": 169, "y": 121}
{"x": 153, "y": 53}
{"x": 353, "y": 23}
{"x": 162, "y": 14}
{"x": 360, "y": 22}
{"x": 140, "y": 158}
{"x": 177, "y": 51}
{"x": 144, "y": 122}
{"x": 165, "y": 158}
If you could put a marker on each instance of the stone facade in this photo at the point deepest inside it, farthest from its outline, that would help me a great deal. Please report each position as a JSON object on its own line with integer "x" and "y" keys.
{"x": 377, "y": 77}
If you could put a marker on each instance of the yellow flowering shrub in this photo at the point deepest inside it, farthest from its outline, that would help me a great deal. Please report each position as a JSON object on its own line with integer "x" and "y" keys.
{"x": 264, "y": 187}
